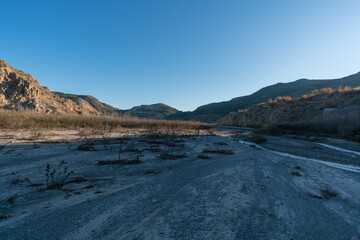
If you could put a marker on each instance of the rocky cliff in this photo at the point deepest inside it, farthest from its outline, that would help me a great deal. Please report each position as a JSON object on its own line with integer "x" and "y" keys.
{"x": 334, "y": 107}
{"x": 20, "y": 91}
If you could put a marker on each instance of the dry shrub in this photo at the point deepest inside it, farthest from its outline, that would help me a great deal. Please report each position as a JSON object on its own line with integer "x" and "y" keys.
{"x": 219, "y": 151}
{"x": 326, "y": 90}
{"x": 283, "y": 98}
{"x": 315, "y": 92}
{"x": 305, "y": 96}
{"x": 55, "y": 177}
{"x": 102, "y": 125}
{"x": 344, "y": 89}
{"x": 328, "y": 193}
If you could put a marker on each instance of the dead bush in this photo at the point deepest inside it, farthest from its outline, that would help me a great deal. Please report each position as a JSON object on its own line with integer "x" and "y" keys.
{"x": 295, "y": 173}
{"x": 283, "y": 98}
{"x": 219, "y": 151}
{"x": 119, "y": 162}
{"x": 55, "y": 177}
{"x": 328, "y": 193}
{"x": 122, "y": 157}
{"x": 173, "y": 151}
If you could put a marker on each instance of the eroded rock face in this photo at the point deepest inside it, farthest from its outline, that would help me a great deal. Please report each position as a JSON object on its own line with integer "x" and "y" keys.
{"x": 336, "y": 106}
{"x": 20, "y": 91}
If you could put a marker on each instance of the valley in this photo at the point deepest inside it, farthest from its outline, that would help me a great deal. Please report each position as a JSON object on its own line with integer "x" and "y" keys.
{"x": 233, "y": 184}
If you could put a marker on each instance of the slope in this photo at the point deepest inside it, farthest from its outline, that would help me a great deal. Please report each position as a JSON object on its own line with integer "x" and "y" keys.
{"x": 214, "y": 111}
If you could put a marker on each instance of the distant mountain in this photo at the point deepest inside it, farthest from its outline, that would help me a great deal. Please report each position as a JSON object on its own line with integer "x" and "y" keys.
{"x": 96, "y": 104}
{"x": 20, "y": 91}
{"x": 153, "y": 111}
{"x": 214, "y": 111}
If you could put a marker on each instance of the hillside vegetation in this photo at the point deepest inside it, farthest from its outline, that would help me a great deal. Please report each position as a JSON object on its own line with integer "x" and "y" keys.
{"x": 326, "y": 111}
{"x": 214, "y": 111}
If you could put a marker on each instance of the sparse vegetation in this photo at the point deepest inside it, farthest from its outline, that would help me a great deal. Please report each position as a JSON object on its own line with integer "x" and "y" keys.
{"x": 203, "y": 157}
{"x": 328, "y": 193}
{"x": 119, "y": 162}
{"x": 172, "y": 156}
{"x": 103, "y": 124}
{"x": 326, "y": 91}
{"x": 295, "y": 173}
{"x": 55, "y": 178}
{"x": 152, "y": 171}
{"x": 323, "y": 112}
{"x": 12, "y": 199}
{"x": 87, "y": 147}
{"x": 282, "y": 99}
{"x": 173, "y": 151}
{"x": 153, "y": 148}
{"x": 124, "y": 147}
{"x": 219, "y": 151}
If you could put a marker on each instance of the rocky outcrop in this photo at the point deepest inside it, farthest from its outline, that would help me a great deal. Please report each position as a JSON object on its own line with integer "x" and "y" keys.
{"x": 20, "y": 91}
{"x": 328, "y": 107}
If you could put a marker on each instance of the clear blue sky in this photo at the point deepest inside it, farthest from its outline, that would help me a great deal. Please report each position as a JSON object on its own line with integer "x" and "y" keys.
{"x": 184, "y": 53}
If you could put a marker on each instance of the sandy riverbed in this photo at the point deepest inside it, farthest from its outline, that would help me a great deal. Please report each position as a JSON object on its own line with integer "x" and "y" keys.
{"x": 273, "y": 190}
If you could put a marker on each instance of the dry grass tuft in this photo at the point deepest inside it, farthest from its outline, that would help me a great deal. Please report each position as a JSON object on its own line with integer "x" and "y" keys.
{"x": 283, "y": 99}
{"x": 102, "y": 124}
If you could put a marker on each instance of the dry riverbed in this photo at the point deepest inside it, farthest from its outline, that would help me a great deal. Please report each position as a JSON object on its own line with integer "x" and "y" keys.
{"x": 232, "y": 185}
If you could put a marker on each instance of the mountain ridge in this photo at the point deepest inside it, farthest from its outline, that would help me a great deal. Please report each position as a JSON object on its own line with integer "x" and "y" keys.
{"x": 151, "y": 111}
{"x": 20, "y": 91}
{"x": 214, "y": 111}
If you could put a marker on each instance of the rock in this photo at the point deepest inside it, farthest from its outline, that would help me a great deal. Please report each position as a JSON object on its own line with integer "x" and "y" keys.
{"x": 344, "y": 113}
{"x": 20, "y": 91}
{"x": 330, "y": 114}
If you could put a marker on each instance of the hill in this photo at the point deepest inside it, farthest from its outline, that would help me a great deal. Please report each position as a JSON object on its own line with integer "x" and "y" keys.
{"x": 20, "y": 91}
{"x": 214, "y": 111}
{"x": 153, "y": 111}
{"x": 95, "y": 103}
{"x": 329, "y": 111}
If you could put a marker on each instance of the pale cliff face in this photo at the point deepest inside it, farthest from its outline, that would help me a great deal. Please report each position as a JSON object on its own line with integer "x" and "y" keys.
{"x": 20, "y": 91}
